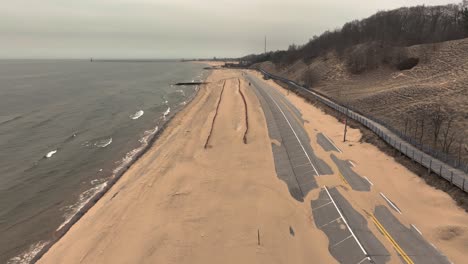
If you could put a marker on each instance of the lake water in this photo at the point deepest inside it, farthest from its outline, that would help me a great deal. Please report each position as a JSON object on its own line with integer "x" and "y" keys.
{"x": 68, "y": 126}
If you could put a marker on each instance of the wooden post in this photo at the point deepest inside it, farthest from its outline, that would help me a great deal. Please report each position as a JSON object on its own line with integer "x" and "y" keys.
{"x": 258, "y": 236}
{"x": 430, "y": 167}
{"x": 459, "y": 154}
{"x": 346, "y": 126}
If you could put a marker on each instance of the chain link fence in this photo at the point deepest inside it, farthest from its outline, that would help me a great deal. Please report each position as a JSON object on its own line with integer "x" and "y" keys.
{"x": 435, "y": 161}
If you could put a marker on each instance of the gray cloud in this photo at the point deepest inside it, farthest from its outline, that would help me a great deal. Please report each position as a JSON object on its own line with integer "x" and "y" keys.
{"x": 171, "y": 28}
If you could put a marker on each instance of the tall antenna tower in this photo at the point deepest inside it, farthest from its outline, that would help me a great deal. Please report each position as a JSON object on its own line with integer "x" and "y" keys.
{"x": 265, "y": 44}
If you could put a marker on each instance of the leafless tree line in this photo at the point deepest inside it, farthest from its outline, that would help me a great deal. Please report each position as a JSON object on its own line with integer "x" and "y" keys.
{"x": 395, "y": 28}
{"x": 438, "y": 126}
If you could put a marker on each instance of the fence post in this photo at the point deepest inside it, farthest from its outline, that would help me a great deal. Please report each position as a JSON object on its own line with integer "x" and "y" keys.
{"x": 440, "y": 170}
{"x": 430, "y": 167}
{"x": 451, "y": 177}
{"x": 463, "y": 187}
{"x": 413, "y": 155}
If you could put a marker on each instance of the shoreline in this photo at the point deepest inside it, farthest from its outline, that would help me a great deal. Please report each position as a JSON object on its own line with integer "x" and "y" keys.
{"x": 180, "y": 202}
{"x": 66, "y": 226}
{"x": 180, "y": 194}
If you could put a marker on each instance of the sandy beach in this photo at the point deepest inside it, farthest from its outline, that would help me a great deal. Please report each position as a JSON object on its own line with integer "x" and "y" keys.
{"x": 182, "y": 203}
{"x": 203, "y": 194}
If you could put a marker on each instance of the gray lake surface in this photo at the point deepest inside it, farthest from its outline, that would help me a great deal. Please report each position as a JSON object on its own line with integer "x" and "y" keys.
{"x": 68, "y": 126}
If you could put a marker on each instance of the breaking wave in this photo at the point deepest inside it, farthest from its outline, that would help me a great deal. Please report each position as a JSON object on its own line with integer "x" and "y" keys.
{"x": 27, "y": 256}
{"x": 84, "y": 198}
{"x": 50, "y": 153}
{"x": 137, "y": 115}
{"x": 103, "y": 143}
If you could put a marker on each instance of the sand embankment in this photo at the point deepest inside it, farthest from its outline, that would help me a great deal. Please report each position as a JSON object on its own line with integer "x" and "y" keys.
{"x": 184, "y": 203}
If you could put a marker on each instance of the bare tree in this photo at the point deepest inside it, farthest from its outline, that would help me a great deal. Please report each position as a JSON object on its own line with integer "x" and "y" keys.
{"x": 310, "y": 77}
{"x": 460, "y": 144}
{"x": 437, "y": 119}
{"x": 422, "y": 128}
{"x": 448, "y": 135}
{"x": 406, "y": 125}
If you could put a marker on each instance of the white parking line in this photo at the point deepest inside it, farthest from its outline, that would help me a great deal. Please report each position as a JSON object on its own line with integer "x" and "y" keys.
{"x": 368, "y": 181}
{"x": 390, "y": 202}
{"x": 342, "y": 241}
{"x": 416, "y": 229}
{"x": 300, "y": 143}
{"x": 346, "y": 222}
{"x": 362, "y": 260}
{"x": 331, "y": 222}
{"x": 331, "y": 142}
{"x": 302, "y": 165}
{"x": 323, "y": 205}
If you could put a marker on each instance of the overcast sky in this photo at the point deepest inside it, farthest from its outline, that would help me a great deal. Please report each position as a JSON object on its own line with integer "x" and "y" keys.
{"x": 171, "y": 28}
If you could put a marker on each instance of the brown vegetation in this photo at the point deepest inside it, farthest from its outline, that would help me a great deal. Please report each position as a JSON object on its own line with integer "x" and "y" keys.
{"x": 427, "y": 103}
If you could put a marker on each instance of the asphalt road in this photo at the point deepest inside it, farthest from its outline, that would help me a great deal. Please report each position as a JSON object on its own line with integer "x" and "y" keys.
{"x": 295, "y": 161}
{"x": 350, "y": 239}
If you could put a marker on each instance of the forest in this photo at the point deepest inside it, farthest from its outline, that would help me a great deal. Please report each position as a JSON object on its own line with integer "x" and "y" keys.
{"x": 382, "y": 33}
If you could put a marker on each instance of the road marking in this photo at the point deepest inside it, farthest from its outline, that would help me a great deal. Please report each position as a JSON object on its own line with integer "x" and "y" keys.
{"x": 390, "y": 238}
{"x": 346, "y": 222}
{"x": 302, "y": 165}
{"x": 343, "y": 179}
{"x": 366, "y": 258}
{"x": 341, "y": 241}
{"x": 352, "y": 164}
{"x": 390, "y": 202}
{"x": 300, "y": 143}
{"x": 368, "y": 181}
{"x": 416, "y": 229}
{"x": 330, "y": 223}
{"x": 323, "y": 205}
{"x": 331, "y": 142}
{"x": 291, "y": 110}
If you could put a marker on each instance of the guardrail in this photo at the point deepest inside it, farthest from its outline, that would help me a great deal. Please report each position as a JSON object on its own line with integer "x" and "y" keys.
{"x": 455, "y": 176}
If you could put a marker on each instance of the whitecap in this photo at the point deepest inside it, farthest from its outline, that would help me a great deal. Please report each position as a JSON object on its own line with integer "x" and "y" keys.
{"x": 84, "y": 198}
{"x": 93, "y": 182}
{"x": 103, "y": 143}
{"x": 137, "y": 115}
{"x": 28, "y": 255}
{"x": 166, "y": 113}
{"x": 51, "y": 153}
{"x": 147, "y": 135}
{"x": 181, "y": 92}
